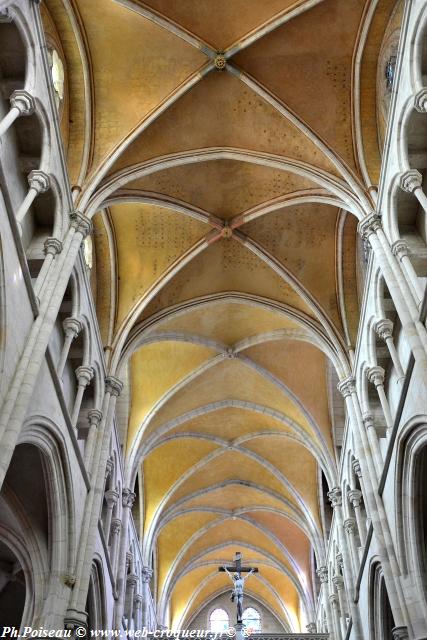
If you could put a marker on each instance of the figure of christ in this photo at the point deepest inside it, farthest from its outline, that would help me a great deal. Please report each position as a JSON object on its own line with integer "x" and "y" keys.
{"x": 237, "y": 593}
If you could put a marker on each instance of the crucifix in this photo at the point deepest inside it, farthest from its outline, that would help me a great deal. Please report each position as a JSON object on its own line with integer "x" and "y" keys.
{"x": 238, "y": 582}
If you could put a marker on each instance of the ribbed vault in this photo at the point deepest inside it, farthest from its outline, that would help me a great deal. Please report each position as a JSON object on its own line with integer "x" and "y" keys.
{"x": 217, "y": 148}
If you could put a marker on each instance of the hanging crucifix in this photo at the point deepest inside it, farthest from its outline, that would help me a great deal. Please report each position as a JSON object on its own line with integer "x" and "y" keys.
{"x": 238, "y": 582}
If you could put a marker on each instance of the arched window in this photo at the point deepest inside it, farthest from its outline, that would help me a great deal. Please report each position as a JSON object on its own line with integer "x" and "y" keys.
{"x": 219, "y": 620}
{"x": 252, "y": 620}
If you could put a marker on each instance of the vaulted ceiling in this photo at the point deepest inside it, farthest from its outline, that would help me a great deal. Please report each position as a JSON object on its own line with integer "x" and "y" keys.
{"x": 219, "y": 147}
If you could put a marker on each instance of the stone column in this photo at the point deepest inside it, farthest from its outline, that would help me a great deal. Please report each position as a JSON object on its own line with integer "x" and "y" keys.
{"x": 128, "y": 498}
{"x": 84, "y": 375}
{"x": 146, "y": 575}
{"x": 52, "y": 246}
{"x": 94, "y": 417}
{"x": 111, "y": 498}
{"x": 137, "y": 607}
{"x": 333, "y": 599}
{"x": 368, "y": 423}
{"x": 384, "y": 329}
{"x": 22, "y": 104}
{"x": 72, "y": 328}
{"x": 322, "y": 572}
{"x": 400, "y": 633}
{"x": 21, "y": 388}
{"x": 355, "y": 497}
{"x": 350, "y": 529}
{"x": 39, "y": 182}
{"x": 116, "y": 527}
{"x": 131, "y": 582}
{"x": 400, "y": 250}
{"x": 338, "y": 582}
{"x": 376, "y": 377}
{"x": 370, "y": 228}
{"x": 89, "y": 528}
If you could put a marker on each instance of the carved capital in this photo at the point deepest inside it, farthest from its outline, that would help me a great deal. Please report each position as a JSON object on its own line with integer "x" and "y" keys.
{"x": 94, "y": 417}
{"x": 109, "y": 467}
{"x": 137, "y": 601}
{"x": 111, "y": 497}
{"x": 322, "y": 572}
{"x": 347, "y": 386}
{"x": 128, "y": 498}
{"x": 39, "y": 181}
{"x": 368, "y": 421}
{"x": 69, "y": 580}
{"x": 338, "y": 581}
{"x": 340, "y": 560}
{"x": 369, "y": 225}
{"x": 132, "y": 579}
{"x": 420, "y": 101}
{"x": 355, "y": 496}
{"x": 410, "y": 181}
{"x": 333, "y": 599}
{"x": 116, "y": 525}
{"x": 400, "y": 249}
{"x": 113, "y": 386}
{"x": 22, "y": 100}
{"x": 84, "y": 375}
{"x": 356, "y": 467}
{"x": 350, "y": 525}
{"x": 311, "y": 627}
{"x": 335, "y": 497}
{"x": 220, "y": 61}
{"x": 72, "y": 327}
{"x": 52, "y": 246}
{"x": 376, "y": 375}
{"x": 80, "y": 223}
{"x": 146, "y": 574}
{"x": 400, "y": 633}
{"x": 384, "y": 329}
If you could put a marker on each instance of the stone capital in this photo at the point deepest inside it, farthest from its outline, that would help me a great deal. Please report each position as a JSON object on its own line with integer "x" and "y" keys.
{"x": 384, "y": 329}
{"x": 52, "y": 246}
{"x": 311, "y": 627}
{"x": 335, "y": 497}
{"x": 137, "y": 601}
{"x": 22, "y": 100}
{"x": 368, "y": 421}
{"x": 347, "y": 386}
{"x": 400, "y": 633}
{"x": 338, "y": 581}
{"x": 356, "y": 467}
{"x": 350, "y": 525}
{"x": 410, "y": 181}
{"x": 84, "y": 375}
{"x": 72, "y": 327}
{"x": 376, "y": 375}
{"x": 128, "y": 498}
{"x": 420, "y": 101}
{"x": 132, "y": 579}
{"x": 116, "y": 525}
{"x": 80, "y": 223}
{"x": 113, "y": 386}
{"x": 39, "y": 181}
{"x": 322, "y": 572}
{"x": 111, "y": 497}
{"x": 400, "y": 249}
{"x": 369, "y": 225}
{"x": 69, "y": 580}
{"x": 146, "y": 574}
{"x": 94, "y": 417}
{"x": 333, "y": 599}
{"x": 109, "y": 467}
{"x": 355, "y": 496}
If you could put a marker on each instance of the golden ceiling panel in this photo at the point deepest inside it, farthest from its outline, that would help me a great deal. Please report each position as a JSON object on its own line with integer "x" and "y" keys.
{"x": 174, "y": 536}
{"x": 226, "y": 322}
{"x": 136, "y": 64}
{"x": 149, "y": 239}
{"x": 221, "y": 111}
{"x": 230, "y": 465}
{"x": 224, "y": 22}
{"x": 155, "y": 369}
{"x": 312, "y": 74}
{"x": 223, "y": 187}
{"x": 302, "y": 367}
{"x": 223, "y": 267}
{"x": 186, "y": 586}
{"x": 231, "y": 423}
{"x": 233, "y": 380}
{"x": 303, "y": 239}
{"x": 236, "y": 496}
{"x": 103, "y": 266}
{"x": 166, "y": 465}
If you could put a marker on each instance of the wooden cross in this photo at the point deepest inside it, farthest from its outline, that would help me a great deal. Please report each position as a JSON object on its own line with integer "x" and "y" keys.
{"x": 237, "y": 567}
